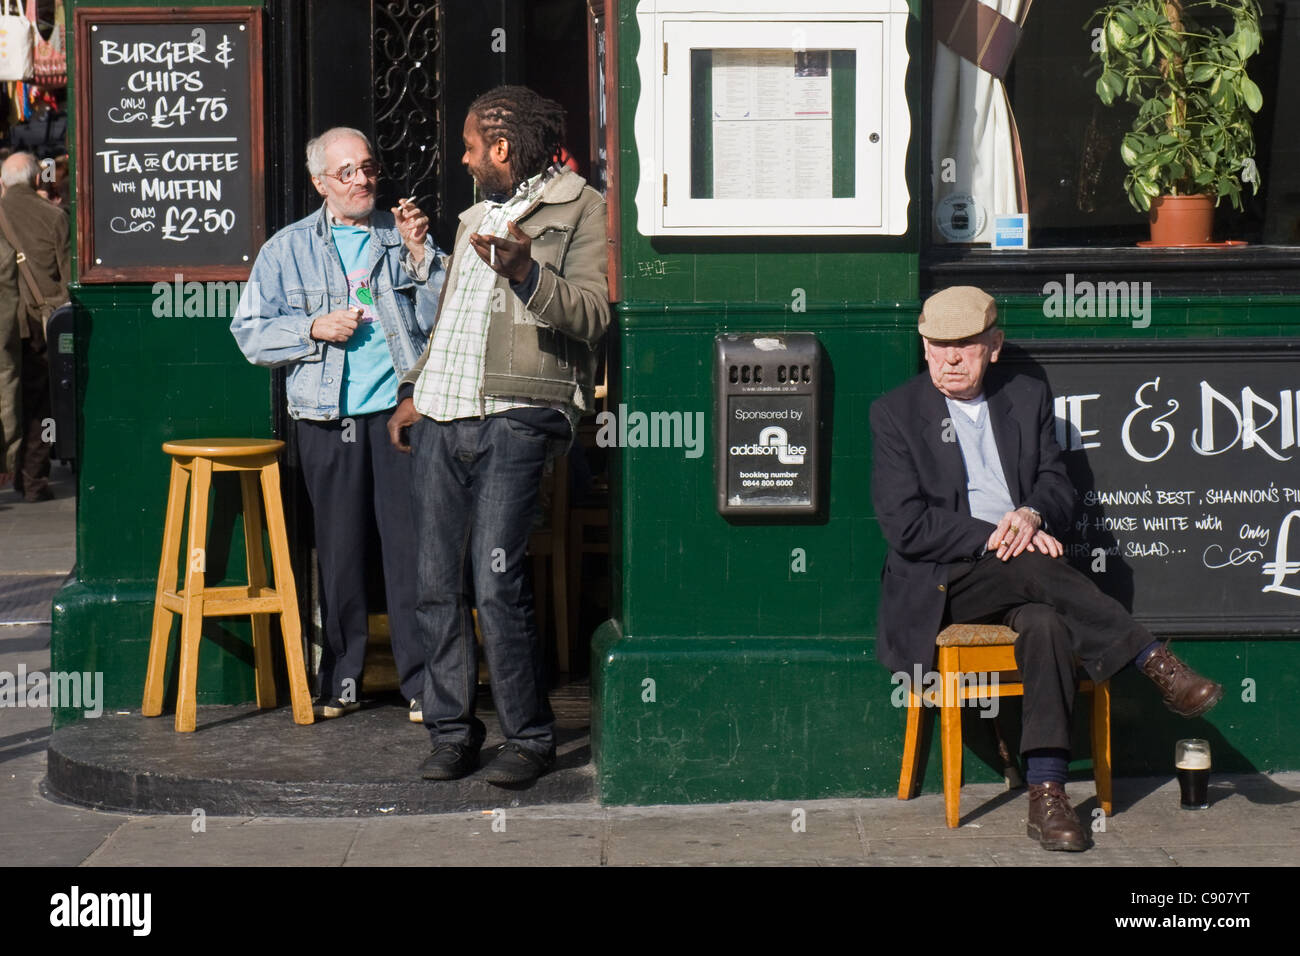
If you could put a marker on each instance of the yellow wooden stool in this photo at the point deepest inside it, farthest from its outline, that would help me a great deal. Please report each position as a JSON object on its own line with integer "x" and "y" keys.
{"x": 984, "y": 649}
{"x": 200, "y": 457}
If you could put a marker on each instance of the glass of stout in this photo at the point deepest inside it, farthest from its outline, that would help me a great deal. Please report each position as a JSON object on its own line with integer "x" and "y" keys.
{"x": 1192, "y": 761}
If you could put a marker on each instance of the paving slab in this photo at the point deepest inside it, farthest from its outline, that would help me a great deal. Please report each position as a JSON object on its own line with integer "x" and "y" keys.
{"x": 735, "y": 833}
{"x": 490, "y": 837}
{"x": 224, "y": 841}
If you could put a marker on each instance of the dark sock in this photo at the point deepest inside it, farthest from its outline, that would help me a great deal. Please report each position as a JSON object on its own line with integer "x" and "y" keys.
{"x": 1146, "y": 652}
{"x": 1046, "y": 765}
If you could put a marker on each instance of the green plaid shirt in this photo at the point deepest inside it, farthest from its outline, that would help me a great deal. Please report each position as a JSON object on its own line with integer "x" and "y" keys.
{"x": 451, "y": 384}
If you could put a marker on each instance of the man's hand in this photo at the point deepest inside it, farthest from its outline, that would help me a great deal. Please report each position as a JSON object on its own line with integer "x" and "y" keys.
{"x": 413, "y": 226}
{"x": 336, "y": 326}
{"x": 403, "y": 417}
{"x": 1046, "y": 544}
{"x": 514, "y": 260}
{"x": 1014, "y": 533}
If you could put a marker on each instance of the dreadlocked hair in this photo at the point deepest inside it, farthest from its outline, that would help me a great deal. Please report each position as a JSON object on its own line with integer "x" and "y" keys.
{"x": 529, "y": 122}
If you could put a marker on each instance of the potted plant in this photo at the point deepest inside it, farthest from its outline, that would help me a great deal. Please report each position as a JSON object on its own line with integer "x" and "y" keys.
{"x": 1191, "y": 143}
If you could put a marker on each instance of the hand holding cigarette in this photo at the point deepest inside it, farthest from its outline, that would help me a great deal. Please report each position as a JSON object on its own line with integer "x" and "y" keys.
{"x": 512, "y": 258}
{"x": 413, "y": 225}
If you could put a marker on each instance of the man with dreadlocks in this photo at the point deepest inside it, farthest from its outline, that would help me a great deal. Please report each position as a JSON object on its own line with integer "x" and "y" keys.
{"x": 506, "y": 374}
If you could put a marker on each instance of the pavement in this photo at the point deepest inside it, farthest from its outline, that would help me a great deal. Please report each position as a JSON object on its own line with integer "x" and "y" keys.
{"x": 1253, "y": 820}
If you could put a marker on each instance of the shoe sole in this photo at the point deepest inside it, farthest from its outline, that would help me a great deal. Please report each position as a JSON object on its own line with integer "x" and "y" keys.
{"x": 1204, "y": 708}
{"x": 329, "y": 713}
{"x": 1067, "y": 847}
{"x": 448, "y": 774}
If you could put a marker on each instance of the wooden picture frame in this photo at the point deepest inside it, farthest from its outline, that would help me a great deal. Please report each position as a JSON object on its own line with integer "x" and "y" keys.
{"x": 92, "y": 241}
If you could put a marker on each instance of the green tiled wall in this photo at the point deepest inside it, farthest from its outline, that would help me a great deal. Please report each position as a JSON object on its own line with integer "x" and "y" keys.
{"x": 144, "y": 380}
{"x": 725, "y": 675}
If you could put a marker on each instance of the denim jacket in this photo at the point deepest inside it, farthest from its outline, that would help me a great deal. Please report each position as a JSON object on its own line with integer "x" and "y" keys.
{"x": 298, "y": 277}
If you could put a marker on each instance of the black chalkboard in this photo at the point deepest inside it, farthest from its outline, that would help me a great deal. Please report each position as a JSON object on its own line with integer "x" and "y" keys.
{"x": 169, "y": 143}
{"x": 1185, "y": 455}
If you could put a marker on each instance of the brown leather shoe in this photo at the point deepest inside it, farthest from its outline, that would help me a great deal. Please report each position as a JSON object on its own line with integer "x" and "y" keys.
{"x": 1185, "y": 692}
{"x": 1052, "y": 821}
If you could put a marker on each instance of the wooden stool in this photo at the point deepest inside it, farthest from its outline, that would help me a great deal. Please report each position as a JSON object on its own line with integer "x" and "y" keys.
{"x": 250, "y": 457}
{"x": 983, "y": 649}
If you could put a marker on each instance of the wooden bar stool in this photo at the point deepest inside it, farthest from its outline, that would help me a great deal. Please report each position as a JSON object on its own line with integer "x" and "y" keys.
{"x": 983, "y": 649}
{"x": 252, "y": 458}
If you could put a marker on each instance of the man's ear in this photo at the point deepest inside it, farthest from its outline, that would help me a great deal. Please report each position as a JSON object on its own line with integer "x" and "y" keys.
{"x": 996, "y": 348}
{"x": 500, "y": 150}
{"x": 320, "y": 187}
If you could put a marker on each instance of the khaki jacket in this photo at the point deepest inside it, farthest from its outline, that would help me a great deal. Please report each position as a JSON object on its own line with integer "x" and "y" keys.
{"x": 544, "y": 349}
{"x": 42, "y": 230}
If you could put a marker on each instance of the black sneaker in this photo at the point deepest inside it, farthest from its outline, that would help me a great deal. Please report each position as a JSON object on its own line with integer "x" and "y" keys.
{"x": 514, "y": 765}
{"x": 328, "y": 707}
{"x": 449, "y": 761}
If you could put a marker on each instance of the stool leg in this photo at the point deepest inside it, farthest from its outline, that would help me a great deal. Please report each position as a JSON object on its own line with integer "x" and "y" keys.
{"x": 256, "y": 565}
{"x": 290, "y": 627}
{"x": 192, "y": 618}
{"x": 160, "y": 633}
{"x": 1101, "y": 744}
{"x": 950, "y": 733}
{"x": 907, "y": 779}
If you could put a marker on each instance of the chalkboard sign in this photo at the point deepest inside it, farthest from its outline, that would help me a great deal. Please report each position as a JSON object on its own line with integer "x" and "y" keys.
{"x": 169, "y": 143}
{"x": 1186, "y": 459}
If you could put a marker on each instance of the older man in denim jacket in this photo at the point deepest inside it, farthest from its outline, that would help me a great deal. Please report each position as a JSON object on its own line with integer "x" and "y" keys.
{"x": 346, "y": 298}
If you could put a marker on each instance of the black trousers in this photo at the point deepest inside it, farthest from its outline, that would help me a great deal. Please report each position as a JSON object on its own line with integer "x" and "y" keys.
{"x": 34, "y": 456}
{"x": 357, "y": 481}
{"x": 1060, "y": 615}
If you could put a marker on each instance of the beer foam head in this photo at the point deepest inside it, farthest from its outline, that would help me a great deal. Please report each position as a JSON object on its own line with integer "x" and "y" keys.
{"x": 1193, "y": 761}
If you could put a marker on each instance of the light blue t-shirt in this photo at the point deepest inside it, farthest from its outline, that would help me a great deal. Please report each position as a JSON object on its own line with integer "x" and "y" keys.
{"x": 369, "y": 380}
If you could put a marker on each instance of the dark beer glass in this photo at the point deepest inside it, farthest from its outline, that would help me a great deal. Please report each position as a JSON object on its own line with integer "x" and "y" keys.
{"x": 1192, "y": 762}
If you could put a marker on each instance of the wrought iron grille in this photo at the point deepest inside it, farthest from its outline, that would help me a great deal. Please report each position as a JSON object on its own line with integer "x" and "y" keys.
{"x": 408, "y": 99}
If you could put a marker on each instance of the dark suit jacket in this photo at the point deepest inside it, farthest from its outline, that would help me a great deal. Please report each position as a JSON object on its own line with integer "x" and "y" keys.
{"x": 918, "y": 486}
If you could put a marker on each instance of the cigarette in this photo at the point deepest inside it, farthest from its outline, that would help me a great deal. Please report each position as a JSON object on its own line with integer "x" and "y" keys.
{"x": 492, "y": 255}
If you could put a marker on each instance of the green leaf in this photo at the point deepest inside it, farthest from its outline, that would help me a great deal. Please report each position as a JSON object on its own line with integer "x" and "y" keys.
{"x": 1250, "y": 93}
{"x": 1246, "y": 40}
{"x": 1115, "y": 35}
{"x": 1149, "y": 53}
{"x": 1126, "y": 23}
{"x": 1202, "y": 72}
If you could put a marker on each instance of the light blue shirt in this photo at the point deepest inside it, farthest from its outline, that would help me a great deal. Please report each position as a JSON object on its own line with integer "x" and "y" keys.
{"x": 986, "y": 483}
{"x": 369, "y": 380}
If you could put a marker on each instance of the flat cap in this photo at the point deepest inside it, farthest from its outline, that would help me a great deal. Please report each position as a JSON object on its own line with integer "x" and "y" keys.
{"x": 957, "y": 313}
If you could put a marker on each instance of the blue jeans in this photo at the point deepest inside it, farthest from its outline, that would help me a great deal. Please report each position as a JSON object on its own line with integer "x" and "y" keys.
{"x": 475, "y": 484}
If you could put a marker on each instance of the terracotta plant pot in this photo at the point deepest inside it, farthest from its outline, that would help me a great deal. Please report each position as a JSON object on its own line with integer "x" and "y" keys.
{"x": 1182, "y": 220}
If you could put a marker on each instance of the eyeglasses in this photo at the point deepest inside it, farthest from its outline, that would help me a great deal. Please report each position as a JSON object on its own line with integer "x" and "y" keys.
{"x": 345, "y": 174}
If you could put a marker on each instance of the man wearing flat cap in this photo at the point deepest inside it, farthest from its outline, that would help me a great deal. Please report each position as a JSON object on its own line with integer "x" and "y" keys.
{"x": 971, "y": 495}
